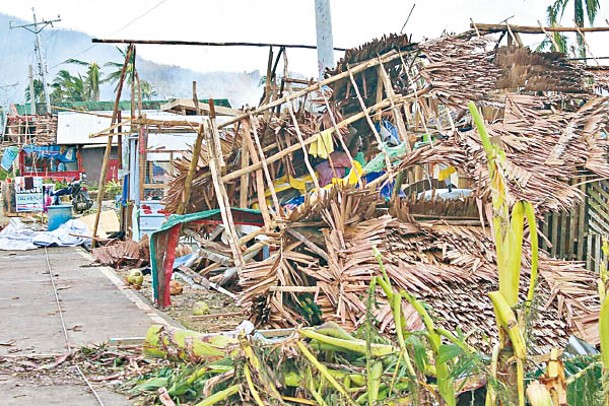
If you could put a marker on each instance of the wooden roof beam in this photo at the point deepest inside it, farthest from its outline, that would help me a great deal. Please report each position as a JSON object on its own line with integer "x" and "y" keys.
{"x": 524, "y": 29}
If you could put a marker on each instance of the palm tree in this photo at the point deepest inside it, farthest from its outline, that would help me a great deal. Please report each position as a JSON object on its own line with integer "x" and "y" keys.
{"x": 67, "y": 87}
{"x": 556, "y": 12}
{"x": 38, "y": 92}
{"x": 148, "y": 91}
{"x": 114, "y": 76}
{"x": 92, "y": 78}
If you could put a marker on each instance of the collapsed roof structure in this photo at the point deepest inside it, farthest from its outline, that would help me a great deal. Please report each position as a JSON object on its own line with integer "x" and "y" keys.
{"x": 382, "y": 154}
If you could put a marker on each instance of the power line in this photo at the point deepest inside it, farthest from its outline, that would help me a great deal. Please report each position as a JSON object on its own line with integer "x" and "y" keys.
{"x": 139, "y": 17}
{"x": 115, "y": 32}
{"x": 36, "y": 28}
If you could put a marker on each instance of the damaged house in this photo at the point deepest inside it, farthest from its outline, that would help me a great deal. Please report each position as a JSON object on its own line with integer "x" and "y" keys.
{"x": 289, "y": 201}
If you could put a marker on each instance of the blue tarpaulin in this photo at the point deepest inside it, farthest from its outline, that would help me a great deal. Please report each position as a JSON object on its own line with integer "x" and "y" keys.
{"x": 62, "y": 154}
{"x": 10, "y": 154}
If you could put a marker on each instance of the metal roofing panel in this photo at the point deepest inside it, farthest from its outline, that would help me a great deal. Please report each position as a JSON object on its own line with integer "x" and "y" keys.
{"x": 74, "y": 128}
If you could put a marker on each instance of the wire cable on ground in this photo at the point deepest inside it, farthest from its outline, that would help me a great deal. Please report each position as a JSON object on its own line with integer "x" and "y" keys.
{"x": 65, "y": 331}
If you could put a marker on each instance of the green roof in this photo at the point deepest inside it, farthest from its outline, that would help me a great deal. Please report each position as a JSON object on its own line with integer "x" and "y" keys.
{"x": 23, "y": 109}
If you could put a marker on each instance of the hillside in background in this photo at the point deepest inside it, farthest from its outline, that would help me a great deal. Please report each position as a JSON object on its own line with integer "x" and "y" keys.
{"x": 17, "y": 52}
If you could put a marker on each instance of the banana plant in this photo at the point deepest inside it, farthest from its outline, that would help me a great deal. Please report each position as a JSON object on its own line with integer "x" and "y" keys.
{"x": 508, "y": 233}
{"x": 603, "y": 322}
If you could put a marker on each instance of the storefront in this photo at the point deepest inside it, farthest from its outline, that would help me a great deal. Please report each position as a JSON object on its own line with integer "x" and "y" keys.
{"x": 56, "y": 162}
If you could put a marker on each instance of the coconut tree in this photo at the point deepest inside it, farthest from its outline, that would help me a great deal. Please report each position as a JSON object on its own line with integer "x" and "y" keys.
{"x": 38, "y": 92}
{"x": 148, "y": 91}
{"x": 92, "y": 78}
{"x": 581, "y": 10}
{"x": 114, "y": 76}
{"x": 67, "y": 87}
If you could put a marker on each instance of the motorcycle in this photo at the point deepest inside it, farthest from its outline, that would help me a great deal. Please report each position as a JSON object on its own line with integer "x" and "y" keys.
{"x": 79, "y": 195}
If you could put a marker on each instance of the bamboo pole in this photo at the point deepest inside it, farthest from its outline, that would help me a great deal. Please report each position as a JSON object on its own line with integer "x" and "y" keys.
{"x": 377, "y": 136}
{"x": 265, "y": 167}
{"x": 247, "y": 142}
{"x": 489, "y": 28}
{"x": 397, "y": 115}
{"x": 213, "y": 137}
{"x": 206, "y": 44}
{"x": 245, "y": 178}
{"x": 303, "y": 146}
{"x": 399, "y": 100}
{"x": 104, "y": 168}
{"x": 390, "y": 56}
{"x": 194, "y": 161}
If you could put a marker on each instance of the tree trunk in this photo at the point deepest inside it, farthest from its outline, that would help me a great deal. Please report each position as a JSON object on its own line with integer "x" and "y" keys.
{"x": 179, "y": 344}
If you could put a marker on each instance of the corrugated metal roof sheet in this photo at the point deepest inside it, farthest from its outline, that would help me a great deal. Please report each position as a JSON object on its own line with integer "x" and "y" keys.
{"x": 75, "y": 128}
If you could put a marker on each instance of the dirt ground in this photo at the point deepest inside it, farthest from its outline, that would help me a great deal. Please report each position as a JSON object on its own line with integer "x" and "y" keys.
{"x": 224, "y": 314}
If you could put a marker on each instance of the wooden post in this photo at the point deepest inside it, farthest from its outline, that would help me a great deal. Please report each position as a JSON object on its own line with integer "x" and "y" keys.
{"x": 143, "y": 140}
{"x": 581, "y": 224}
{"x": 213, "y": 137}
{"x": 377, "y": 136}
{"x": 303, "y": 146}
{"x": 249, "y": 145}
{"x": 397, "y": 115}
{"x": 119, "y": 147}
{"x": 267, "y": 174}
{"x": 142, "y": 146}
{"x": 119, "y": 142}
{"x": 245, "y": 178}
{"x": 104, "y": 168}
{"x": 194, "y": 161}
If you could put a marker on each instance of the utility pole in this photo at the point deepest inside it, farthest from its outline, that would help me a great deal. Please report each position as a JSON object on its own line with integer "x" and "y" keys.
{"x": 36, "y": 28}
{"x": 325, "y": 42}
{"x": 32, "y": 91}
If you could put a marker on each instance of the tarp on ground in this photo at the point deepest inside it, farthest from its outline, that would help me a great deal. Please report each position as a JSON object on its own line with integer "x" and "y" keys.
{"x": 17, "y": 237}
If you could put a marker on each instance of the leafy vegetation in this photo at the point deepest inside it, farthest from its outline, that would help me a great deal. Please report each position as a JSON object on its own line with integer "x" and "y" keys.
{"x": 68, "y": 87}
{"x": 581, "y": 10}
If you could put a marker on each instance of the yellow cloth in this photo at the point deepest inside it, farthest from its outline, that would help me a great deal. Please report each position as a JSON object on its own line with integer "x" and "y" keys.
{"x": 323, "y": 146}
{"x": 285, "y": 183}
{"x": 351, "y": 178}
{"x": 300, "y": 184}
{"x": 446, "y": 172}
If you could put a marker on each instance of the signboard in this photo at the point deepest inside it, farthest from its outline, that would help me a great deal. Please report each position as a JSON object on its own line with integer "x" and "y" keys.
{"x": 30, "y": 193}
{"x": 28, "y": 201}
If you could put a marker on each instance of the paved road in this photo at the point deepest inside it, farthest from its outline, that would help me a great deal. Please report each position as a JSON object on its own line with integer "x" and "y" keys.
{"x": 96, "y": 306}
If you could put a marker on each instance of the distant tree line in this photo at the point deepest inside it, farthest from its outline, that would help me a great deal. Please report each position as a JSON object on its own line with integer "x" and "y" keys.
{"x": 67, "y": 87}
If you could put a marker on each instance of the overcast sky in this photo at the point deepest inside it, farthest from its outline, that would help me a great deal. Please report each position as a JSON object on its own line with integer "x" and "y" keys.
{"x": 279, "y": 21}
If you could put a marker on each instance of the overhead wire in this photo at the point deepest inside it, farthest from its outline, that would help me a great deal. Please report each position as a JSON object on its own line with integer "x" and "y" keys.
{"x": 115, "y": 32}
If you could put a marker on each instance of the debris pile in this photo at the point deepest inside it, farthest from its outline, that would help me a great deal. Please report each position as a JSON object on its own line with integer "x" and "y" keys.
{"x": 386, "y": 157}
{"x": 445, "y": 263}
{"x": 126, "y": 253}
